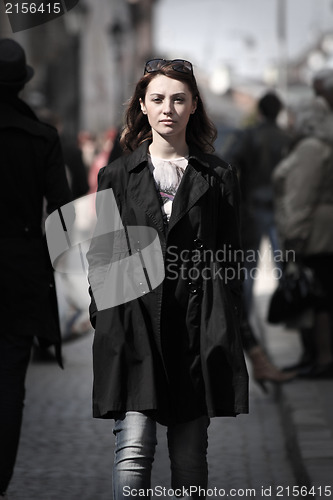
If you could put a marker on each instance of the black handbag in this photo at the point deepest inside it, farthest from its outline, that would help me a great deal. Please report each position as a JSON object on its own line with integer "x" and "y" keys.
{"x": 297, "y": 291}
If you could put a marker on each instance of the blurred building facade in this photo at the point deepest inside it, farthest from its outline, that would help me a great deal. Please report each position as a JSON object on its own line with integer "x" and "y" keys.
{"x": 87, "y": 61}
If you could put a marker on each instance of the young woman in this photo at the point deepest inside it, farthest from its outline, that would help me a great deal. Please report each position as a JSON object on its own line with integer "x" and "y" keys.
{"x": 174, "y": 354}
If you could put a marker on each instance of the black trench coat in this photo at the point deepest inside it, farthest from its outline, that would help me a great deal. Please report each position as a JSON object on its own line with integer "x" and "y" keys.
{"x": 33, "y": 170}
{"x": 175, "y": 352}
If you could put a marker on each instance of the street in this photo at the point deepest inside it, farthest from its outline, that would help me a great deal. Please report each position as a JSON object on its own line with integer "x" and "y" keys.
{"x": 66, "y": 454}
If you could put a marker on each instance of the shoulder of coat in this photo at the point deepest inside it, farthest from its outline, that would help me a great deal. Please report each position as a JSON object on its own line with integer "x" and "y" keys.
{"x": 117, "y": 168}
{"x": 313, "y": 147}
{"x": 220, "y": 170}
{"x": 215, "y": 162}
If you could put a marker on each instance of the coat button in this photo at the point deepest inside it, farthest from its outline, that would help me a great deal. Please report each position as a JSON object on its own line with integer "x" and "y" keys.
{"x": 198, "y": 243}
{"x": 193, "y": 287}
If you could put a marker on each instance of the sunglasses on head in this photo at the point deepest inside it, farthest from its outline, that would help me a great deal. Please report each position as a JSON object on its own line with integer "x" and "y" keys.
{"x": 177, "y": 65}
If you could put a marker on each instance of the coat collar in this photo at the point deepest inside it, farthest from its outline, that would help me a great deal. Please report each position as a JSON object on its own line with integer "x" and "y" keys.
{"x": 140, "y": 155}
{"x": 142, "y": 188}
{"x": 17, "y": 114}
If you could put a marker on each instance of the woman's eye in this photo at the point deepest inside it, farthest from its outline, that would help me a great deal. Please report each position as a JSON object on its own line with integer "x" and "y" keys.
{"x": 179, "y": 99}
{"x": 157, "y": 99}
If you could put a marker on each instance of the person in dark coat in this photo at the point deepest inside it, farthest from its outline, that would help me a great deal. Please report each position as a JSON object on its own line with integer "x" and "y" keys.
{"x": 171, "y": 354}
{"x": 256, "y": 152}
{"x": 32, "y": 170}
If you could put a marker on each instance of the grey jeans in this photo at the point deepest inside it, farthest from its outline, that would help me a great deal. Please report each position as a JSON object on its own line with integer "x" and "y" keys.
{"x": 134, "y": 455}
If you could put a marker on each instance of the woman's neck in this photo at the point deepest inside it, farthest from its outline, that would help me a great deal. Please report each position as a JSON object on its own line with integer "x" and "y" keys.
{"x": 169, "y": 150}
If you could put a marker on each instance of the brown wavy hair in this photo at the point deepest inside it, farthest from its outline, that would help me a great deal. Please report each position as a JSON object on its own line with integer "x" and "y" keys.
{"x": 200, "y": 129}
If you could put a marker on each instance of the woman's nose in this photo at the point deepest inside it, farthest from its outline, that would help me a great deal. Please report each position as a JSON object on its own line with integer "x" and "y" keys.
{"x": 167, "y": 109}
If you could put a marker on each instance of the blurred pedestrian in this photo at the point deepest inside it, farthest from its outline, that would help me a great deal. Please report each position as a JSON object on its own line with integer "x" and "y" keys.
{"x": 255, "y": 153}
{"x": 116, "y": 149}
{"x": 72, "y": 296}
{"x": 32, "y": 168}
{"x": 173, "y": 355}
{"x": 304, "y": 212}
{"x": 103, "y": 156}
{"x": 87, "y": 145}
{"x": 74, "y": 162}
{"x": 73, "y": 156}
{"x": 323, "y": 85}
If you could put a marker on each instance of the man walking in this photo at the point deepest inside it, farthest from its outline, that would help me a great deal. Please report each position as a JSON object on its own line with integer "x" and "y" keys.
{"x": 32, "y": 169}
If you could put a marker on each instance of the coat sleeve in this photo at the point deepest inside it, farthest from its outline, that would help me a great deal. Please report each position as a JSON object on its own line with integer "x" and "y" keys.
{"x": 229, "y": 237}
{"x": 57, "y": 191}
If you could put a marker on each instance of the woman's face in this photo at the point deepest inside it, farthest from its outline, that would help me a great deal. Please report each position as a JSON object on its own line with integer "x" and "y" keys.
{"x": 168, "y": 105}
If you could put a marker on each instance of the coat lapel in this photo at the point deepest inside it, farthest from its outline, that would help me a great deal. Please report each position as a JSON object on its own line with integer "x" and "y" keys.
{"x": 142, "y": 191}
{"x": 192, "y": 186}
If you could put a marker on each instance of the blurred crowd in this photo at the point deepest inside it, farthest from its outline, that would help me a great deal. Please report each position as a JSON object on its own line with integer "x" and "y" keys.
{"x": 286, "y": 179}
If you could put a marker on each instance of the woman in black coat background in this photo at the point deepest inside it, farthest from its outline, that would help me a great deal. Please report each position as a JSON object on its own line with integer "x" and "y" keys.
{"x": 168, "y": 350}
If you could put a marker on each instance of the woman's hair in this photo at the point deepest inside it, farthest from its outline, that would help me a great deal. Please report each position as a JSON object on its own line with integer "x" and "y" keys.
{"x": 200, "y": 129}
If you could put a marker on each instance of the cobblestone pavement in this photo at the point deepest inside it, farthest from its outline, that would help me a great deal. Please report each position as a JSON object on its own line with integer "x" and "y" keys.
{"x": 306, "y": 408}
{"x": 286, "y": 441}
{"x": 66, "y": 454}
